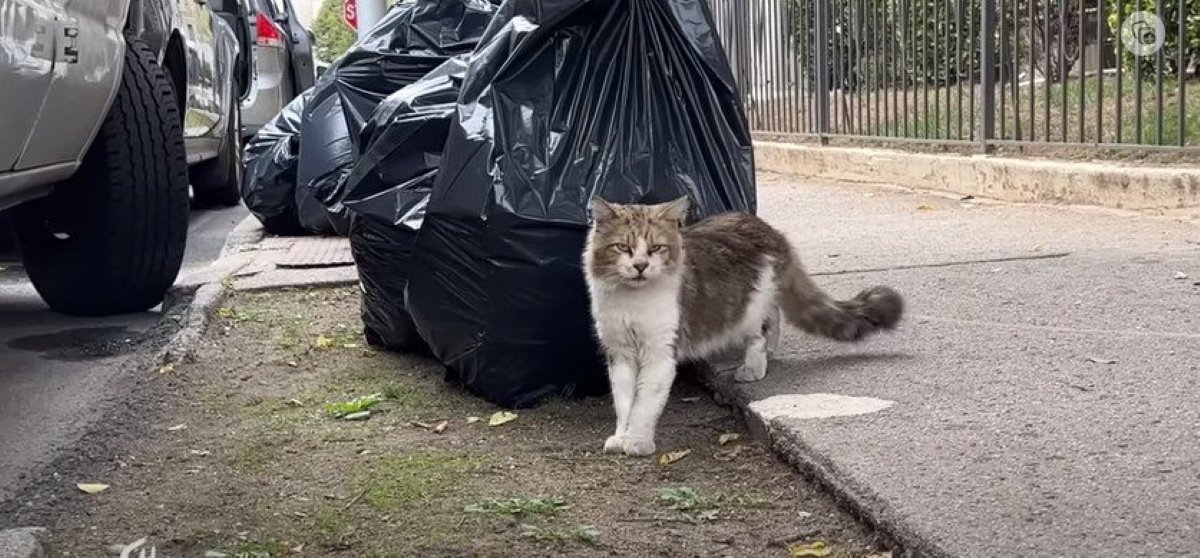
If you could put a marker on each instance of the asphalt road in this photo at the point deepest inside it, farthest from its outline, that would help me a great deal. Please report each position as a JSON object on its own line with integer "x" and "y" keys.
{"x": 54, "y": 369}
{"x": 1042, "y": 388}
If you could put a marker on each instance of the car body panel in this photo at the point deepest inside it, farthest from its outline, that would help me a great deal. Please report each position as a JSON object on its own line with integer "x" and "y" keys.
{"x": 85, "y": 78}
{"x": 282, "y": 70}
{"x": 43, "y": 67}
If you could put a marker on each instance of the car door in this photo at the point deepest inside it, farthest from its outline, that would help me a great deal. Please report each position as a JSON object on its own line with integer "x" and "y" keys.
{"x": 301, "y": 47}
{"x": 241, "y": 16}
{"x": 203, "y": 105}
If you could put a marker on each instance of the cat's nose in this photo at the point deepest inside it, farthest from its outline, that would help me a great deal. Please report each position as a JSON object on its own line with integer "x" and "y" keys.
{"x": 641, "y": 266}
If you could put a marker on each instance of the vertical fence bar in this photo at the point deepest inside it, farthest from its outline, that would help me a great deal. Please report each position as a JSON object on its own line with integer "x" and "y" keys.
{"x": 1082, "y": 71}
{"x": 876, "y": 67}
{"x": 1120, "y": 122}
{"x": 1137, "y": 85}
{"x": 987, "y": 52}
{"x": 1100, "y": 19}
{"x": 976, "y": 54}
{"x": 938, "y": 45}
{"x": 895, "y": 33}
{"x": 905, "y": 50}
{"x": 1160, "y": 72}
{"x": 1014, "y": 73}
{"x": 821, "y": 66}
{"x": 1047, "y": 78}
{"x": 897, "y": 69}
{"x": 1183, "y": 106}
{"x": 1032, "y": 70}
{"x": 1063, "y": 70}
{"x": 958, "y": 70}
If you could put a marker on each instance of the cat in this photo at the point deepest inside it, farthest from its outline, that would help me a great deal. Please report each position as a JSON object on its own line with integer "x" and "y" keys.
{"x": 663, "y": 293}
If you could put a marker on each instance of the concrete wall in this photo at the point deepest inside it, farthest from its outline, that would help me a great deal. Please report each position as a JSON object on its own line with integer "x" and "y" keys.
{"x": 1018, "y": 180}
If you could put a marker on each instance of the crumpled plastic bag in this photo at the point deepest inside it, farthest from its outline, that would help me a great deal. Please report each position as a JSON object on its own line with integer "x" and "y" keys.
{"x": 269, "y": 171}
{"x": 387, "y": 192}
{"x": 413, "y": 38}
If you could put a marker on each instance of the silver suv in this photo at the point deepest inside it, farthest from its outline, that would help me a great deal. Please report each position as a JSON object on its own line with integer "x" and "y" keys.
{"x": 107, "y": 103}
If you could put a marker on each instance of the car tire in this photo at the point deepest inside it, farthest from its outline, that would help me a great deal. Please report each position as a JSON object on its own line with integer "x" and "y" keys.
{"x": 110, "y": 240}
{"x": 217, "y": 182}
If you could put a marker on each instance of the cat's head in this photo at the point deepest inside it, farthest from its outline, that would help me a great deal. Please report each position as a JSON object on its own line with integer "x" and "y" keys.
{"x": 635, "y": 245}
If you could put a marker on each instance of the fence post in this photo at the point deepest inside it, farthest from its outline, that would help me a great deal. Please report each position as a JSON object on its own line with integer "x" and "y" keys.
{"x": 821, "y": 67}
{"x": 987, "y": 73}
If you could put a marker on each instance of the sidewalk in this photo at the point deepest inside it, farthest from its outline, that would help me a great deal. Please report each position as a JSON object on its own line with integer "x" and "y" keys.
{"x": 1042, "y": 389}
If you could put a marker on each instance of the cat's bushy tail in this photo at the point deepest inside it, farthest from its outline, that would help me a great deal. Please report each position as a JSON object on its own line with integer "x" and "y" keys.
{"x": 809, "y": 308}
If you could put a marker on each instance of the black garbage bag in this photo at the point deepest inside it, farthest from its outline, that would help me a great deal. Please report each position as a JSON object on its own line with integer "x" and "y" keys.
{"x": 269, "y": 171}
{"x": 413, "y": 38}
{"x": 631, "y": 100}
{"x": 387, "y": 192}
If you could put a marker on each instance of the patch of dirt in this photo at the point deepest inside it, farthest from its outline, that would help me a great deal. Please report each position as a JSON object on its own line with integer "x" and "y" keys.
{"x": 241, "y": 456}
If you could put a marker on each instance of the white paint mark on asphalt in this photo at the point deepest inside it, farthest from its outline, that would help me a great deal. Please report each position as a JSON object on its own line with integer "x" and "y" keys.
{"x": 816, "y": 405}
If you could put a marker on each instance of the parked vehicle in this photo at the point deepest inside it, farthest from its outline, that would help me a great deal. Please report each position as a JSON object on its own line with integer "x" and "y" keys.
{"x": 283, "y": 62}
{"x": 105, "y": 106}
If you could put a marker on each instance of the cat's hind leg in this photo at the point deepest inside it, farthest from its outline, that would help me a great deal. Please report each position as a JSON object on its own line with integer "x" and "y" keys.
{"x": 754, "y": 368}
{"x": 771, "y": 330}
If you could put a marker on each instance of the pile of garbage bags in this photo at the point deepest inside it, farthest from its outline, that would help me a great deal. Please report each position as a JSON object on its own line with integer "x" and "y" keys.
{"x": 467, "y": 189}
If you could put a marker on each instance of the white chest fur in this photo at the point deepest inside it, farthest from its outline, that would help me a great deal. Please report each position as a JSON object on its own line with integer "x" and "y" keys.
{"x": 636, "y": 321}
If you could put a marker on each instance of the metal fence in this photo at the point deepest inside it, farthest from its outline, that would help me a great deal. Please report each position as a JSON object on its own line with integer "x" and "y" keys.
{"x": 1093, "y": 73}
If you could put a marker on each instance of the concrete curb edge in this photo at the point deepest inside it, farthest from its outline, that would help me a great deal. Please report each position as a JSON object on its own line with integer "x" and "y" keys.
{"x": 1129, "y": 187}
{"x": 904, "y": 540}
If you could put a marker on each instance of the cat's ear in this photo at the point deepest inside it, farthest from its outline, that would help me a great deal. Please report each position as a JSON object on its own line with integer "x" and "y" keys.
{"x": 675, "y": 210}
{"x": 602, "y": 210}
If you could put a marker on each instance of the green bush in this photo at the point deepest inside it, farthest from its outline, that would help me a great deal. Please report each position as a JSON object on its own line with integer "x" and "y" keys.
{"x": 334, "y": 37}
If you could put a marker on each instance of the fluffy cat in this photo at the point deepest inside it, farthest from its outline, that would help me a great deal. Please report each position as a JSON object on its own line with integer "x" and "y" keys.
{"x": 663, "y": 293}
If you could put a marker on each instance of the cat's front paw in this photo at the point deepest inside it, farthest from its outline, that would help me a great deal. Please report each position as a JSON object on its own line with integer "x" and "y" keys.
{"x": 750, "y": 372}
{"x": 614, "y": 444}
{"x": 638, "y": 446}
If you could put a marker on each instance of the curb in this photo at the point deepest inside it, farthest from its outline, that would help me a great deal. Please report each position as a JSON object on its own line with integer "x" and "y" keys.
{"x": 204, "y": 298}
{"x": 22, "y": 542}
{"x": 904, "y": 540}
{"x": 1007, "y": 179}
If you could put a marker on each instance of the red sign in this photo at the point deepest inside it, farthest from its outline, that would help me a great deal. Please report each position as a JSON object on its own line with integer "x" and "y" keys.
{"x": 350, "y": 13}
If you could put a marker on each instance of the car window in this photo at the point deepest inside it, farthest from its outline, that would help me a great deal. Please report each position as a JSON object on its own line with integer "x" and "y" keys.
{"x": 280, "y": 7}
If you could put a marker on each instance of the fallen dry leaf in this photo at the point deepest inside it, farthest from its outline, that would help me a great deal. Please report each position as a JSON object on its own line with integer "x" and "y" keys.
{"x": 814, "y": 549}
{"x": 672, "y": 456}
{"x": 728, "y": 437}
{"x": 167, "y": 368}
{"x": 473, "y": 420}
{"x": 322, "y": 342}
{"x": 176, "y": 427}
{"x": 92, "y": 487}
{"x": 501, "y": 417}
{"x": 924, "y": 207}
{"x": 1179, "y": 275}
{"x": 441, "y": 427}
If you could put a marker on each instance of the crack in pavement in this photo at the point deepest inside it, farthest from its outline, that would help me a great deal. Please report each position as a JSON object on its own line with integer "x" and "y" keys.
{"x": 1052, "y": 255}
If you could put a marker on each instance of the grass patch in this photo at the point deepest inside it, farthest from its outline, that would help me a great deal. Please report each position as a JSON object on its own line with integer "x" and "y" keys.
{"x": 519, "y": 506}
{"x": 574, "y": 534}
{"x": 340, "y": 409}
{"x": 695, "y": 507}
{"x": 395, "y": 482}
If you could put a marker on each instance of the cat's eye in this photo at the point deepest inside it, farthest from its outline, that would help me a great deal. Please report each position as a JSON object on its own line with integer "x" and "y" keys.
{"x": 621, "y": 248}
{"x": 657, "y": 248}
